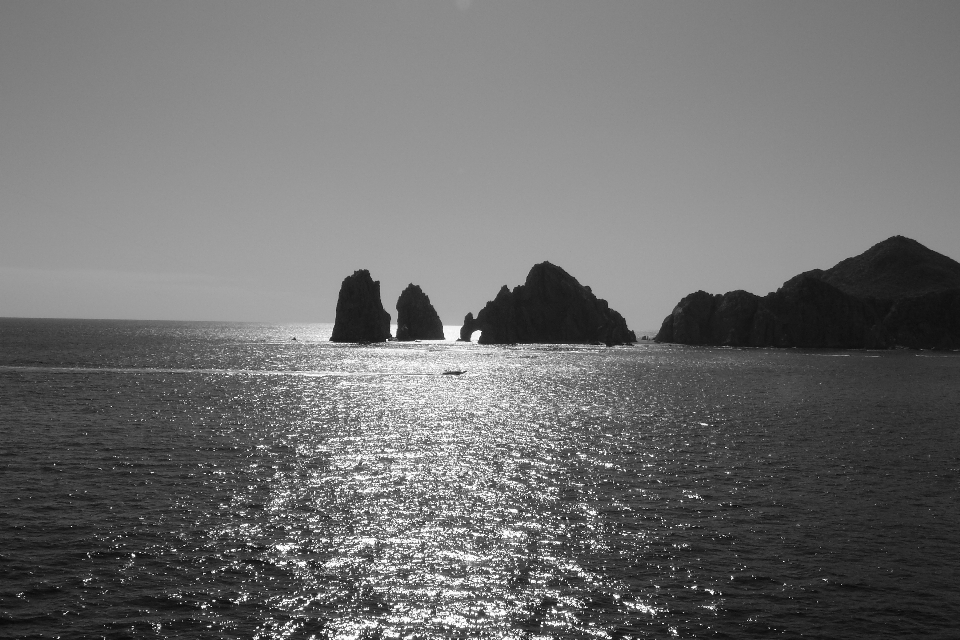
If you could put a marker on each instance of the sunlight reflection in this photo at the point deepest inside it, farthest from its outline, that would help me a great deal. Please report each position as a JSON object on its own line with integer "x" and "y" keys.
{"x": 443, "y": 505}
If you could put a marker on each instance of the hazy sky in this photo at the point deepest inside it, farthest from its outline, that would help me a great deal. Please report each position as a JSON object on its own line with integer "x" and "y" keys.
{"x": 236, "y": 160}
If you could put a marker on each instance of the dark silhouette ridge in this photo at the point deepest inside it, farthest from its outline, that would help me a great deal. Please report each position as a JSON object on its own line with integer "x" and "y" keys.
{"x": 893, "y": 269}
{"x": 416, "y": 317}
{"x": 360, "y": 313}
{"x": 897, "y": 293}
{"x": 550, "y": 307}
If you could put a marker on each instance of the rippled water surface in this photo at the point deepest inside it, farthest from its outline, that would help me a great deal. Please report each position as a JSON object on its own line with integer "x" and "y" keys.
{"x": 210, "y": 480}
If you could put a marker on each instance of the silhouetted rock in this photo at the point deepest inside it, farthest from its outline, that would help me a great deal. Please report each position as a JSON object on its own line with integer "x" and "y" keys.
{"x": 734, "y": 311}
{"x": 689, "y": 322}
{"x": 702, "y": 318}
{"x": 807, "y": 312}
{"x": 467, "y": 328}
{"x": 416, "y": 317}
{"x": 550, "y": 307}
{"x": 896, "y": 293}
{"x": 360, "y": 313}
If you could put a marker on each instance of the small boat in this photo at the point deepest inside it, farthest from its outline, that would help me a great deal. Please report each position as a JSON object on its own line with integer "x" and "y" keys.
{"x": 454, "y": 372}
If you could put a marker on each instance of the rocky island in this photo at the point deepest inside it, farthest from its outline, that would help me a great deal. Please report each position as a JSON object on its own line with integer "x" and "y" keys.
{"x": 897, "y": 293}
{"x": 416, "y": 317}
{"x": 360, "y": 313}
{"x": 550, "y": 307}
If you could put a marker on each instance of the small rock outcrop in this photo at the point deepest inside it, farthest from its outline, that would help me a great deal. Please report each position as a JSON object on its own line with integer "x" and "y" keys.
{"x": 550, "y": 307}
{"x": 360, "y": 313}
{"x": 468, "y": 327}
{"x": 416, "y": 317}
{"x": 897, "y": 293}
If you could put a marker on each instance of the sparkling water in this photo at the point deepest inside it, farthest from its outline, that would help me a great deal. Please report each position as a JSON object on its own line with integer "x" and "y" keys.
{"x": 205, "y": 480}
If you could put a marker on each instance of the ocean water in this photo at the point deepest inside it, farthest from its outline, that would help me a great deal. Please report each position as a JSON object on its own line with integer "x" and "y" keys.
{"x": 206, "y": 480}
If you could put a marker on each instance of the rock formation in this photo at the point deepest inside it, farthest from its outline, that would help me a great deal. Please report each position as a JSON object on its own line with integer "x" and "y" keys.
{"x": 416, "y": 317}
{"x": 897, "y": 293}
{"x": 894, "y": 269}
{"x": 550, "y": 307}
{"x": 360, "y": 313}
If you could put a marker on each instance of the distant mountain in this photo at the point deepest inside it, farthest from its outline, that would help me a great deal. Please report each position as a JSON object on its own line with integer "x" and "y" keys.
{"x": 897, "y": 293}
{"x": 896, "y": 268}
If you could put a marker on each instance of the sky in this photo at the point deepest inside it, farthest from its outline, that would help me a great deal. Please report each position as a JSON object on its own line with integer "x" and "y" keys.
{"x": 236, "y": 160}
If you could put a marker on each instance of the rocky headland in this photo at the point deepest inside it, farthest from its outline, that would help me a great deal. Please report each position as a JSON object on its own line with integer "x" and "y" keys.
{"x": 549, "y": 307}
{"x": 360, "y": 313}
{"x": 897, "y": 293}
{"x": 416, "y": 317}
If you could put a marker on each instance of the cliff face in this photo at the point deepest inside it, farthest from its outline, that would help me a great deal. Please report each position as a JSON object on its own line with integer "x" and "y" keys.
{"x": 360, "y": 313}
{"x": 702, "y": 318}
{"x": 896, "y": 293}
{"x": 807, "y": 312}
{"x": 550, "y": 307}
{"x": 928, "y": 321}
{"x": 416, "y": 317}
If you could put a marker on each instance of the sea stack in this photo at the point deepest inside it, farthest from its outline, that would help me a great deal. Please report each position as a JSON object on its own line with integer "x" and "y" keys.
{"x": 360, "y": 313}
{"x": 897, "y": 293}
{"x": 549, "y": 307}
{"x": 416, "y": 317}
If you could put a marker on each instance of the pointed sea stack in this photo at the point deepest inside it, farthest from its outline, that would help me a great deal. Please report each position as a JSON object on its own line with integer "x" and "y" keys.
{"x": 897, "y": 293}
{"x": 360, "y": 313}
{"x": 416, "y": 317}
{"x": 550, "y": 307}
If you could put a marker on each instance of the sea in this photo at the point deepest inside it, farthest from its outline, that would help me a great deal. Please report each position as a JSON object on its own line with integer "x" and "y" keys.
{"x": 229, "y": 480}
